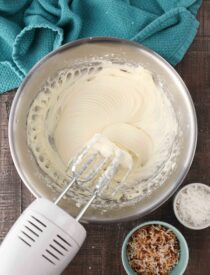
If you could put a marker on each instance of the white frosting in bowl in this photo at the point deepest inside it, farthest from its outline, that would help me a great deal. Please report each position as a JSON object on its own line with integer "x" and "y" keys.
{"x": 122, "y": 102}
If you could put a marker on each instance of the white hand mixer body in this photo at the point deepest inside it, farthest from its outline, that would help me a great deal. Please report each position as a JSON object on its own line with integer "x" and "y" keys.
{"x": 41, "y": 242}
{"x": 45, "y": 238}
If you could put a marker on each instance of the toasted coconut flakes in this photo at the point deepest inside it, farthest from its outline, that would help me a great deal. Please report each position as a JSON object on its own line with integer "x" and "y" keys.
{"x": 153, "y": 249}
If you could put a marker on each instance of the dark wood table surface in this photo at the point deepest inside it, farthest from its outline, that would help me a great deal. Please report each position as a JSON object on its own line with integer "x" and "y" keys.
{"x": 100, "y": 255}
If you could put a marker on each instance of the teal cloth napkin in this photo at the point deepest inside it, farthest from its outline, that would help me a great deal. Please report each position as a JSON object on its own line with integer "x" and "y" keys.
{"x": 29, "y": 29}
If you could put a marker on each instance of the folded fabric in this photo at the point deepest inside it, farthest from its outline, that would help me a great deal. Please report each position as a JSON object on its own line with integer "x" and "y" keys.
{"x": 29, "y": 29}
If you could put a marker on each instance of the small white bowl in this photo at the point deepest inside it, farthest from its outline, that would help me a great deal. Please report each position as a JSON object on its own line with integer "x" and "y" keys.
{"x": 177, "y": 214}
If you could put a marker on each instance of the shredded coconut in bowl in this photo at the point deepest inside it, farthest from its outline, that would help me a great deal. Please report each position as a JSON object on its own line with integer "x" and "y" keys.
{"x": 192, "y": 206}
{"x": 153, "y": 249}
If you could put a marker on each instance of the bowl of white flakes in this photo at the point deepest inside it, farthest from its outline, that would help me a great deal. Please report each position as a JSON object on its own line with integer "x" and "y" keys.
{"x": 192, "y": 206}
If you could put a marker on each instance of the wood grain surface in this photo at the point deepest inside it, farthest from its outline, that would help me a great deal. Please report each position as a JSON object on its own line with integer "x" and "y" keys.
{"x": 100, "y": 255}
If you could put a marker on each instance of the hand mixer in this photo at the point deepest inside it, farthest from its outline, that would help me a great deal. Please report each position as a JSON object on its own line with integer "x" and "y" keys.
{"x": 45, "y": 238}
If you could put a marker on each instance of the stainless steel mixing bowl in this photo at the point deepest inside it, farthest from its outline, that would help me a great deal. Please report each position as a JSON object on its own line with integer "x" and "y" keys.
{"x": 84, "y": 50}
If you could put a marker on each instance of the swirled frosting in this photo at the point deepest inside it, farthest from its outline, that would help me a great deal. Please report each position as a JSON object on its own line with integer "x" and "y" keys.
{"x": 122, "y": 102}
